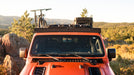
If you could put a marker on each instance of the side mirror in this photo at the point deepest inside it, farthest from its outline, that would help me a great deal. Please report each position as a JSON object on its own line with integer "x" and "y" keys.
{"x": 23, "y": 52}
{"x": 111, "y": 53}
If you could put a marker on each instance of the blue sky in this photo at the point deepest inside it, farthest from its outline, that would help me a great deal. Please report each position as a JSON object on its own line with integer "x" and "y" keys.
{"x": 102, "y": 10}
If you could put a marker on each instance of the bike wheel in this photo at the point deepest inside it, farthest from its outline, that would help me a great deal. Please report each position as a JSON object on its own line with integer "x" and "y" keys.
{"x": 42, "y": 23}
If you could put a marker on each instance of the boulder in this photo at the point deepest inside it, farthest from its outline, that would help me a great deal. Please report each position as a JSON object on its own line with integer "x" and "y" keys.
{"x": 20, "y": 62}
{"x": 12, "y": 43}
{"x": 10, "y": 65}
{"x": 0, "y": 39}
{"x": 2, "y": 51}
{"x": 23, "y": 42}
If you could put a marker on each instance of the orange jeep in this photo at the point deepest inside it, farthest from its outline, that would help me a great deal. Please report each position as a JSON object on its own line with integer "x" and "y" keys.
{"x": 67, "y": 50}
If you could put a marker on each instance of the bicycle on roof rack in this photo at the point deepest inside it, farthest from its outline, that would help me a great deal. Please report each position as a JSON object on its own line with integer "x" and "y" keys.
{"x": 41, "y": 21}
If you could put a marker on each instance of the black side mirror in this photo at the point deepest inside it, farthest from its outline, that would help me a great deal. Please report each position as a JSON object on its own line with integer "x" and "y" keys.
{"x": 111, "y": 53}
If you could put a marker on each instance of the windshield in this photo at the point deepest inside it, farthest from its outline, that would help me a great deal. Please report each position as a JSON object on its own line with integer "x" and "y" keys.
{"x": 67, "y": 44}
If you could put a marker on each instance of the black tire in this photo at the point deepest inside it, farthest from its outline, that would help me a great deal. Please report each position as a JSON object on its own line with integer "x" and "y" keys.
{"x": 42, "y": 23}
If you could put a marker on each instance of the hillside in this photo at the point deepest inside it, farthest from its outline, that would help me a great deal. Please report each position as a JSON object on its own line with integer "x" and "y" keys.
{"x": 109, "y": 25}
{"x": 5, "y": 21}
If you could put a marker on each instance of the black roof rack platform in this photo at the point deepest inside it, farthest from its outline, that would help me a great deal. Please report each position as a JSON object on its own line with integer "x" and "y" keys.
{"x": 67, "y": 28}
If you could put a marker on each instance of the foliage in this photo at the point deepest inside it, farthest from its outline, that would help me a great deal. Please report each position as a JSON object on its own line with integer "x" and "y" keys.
{"x": 84, "y": 13}
{"x": 126, "y": 51}
{"x": 117, "y": 46}
{"x": 23, "y": 27}
{"x": 122, "y": 66}
{"x": 117, "y": 32}
{"x": 124, "y": 63}
{"x": 2, "y": 70}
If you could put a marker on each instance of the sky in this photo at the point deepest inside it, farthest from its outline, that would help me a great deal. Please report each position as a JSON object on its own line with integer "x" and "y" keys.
{"x": 102, "y": 10}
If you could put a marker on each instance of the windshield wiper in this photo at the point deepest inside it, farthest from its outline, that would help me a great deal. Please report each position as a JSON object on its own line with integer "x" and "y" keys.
{"x": 92, "y": 61}
{"x": 52, "y": 57}
{"x": 48, "y": 56}
{"x": 81, "y": 57}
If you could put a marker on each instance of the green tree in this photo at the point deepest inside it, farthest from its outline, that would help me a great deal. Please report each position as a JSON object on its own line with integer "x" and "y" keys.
{"x": 23, "y": 27}
{"x": 84, "y": 13}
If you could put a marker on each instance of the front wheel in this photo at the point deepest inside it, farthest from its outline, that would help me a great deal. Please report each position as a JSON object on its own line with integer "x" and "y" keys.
{"x": 42, "y": 23}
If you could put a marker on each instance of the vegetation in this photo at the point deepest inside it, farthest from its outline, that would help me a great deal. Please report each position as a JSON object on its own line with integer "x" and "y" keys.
{"x": 124, "y": 63}
{"x": 3, "y": 70}
{"x": 122, "y": 66}
{"x": 117, "y": 32}
{"x": 125, "y": 33}
{"x": 125, "y": 51}
{"x": 121, "y": 37}
{"x": 23, "y": 27}
{"x": 84, "y": 13}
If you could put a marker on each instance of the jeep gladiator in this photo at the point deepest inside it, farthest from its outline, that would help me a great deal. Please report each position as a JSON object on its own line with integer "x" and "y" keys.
{"x": 67, "y": 50}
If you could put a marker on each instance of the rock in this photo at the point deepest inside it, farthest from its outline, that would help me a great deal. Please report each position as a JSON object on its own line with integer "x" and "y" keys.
{"x": 23, "y": 42}
{"x": 0, "y": 39}
{"x": 10, "y": 64}
{"x": 20, "y": 62}
{"x": 12, "y": 44}
{"x": 2, "y": 51}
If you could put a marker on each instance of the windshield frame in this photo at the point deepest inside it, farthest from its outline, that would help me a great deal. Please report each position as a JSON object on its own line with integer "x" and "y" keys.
{"x": 69, "y": 54}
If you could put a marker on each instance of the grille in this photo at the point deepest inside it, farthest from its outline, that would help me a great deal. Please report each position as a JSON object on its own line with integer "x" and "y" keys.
{"x": 94, "y": 71}
{"x": 39, "y": 71}
{"x": 60, "y": 60}
{"x": 41, "y": 60}
{"x": 72, "y": 60}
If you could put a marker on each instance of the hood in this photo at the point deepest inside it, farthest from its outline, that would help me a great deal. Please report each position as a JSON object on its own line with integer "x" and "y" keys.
{"x": 66, "y": 68}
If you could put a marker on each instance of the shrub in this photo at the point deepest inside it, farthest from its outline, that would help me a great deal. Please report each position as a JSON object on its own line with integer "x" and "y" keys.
{"x": 119, "y": 58}
{"x": 124, "y": 48}
{"x": 131, "y": 48}
{"x": 122, "y": 66}
{"x": 2, "y": 70}
{"x": 115, "y": 67}
{"x": 117, "y": 46}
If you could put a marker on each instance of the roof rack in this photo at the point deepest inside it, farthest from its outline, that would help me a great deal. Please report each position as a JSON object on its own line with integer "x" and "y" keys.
{"x": 67, "y": 28}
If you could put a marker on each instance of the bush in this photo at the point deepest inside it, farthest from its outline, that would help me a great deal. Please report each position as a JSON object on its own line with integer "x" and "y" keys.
{"x": 125, "y": 48}
{"x": 122, "y": 66}
{"x": 115, "y": 67}
{"x": 129, "y": 41}
{"x": 131, "y": 48}
{"x": 117, "y": 46}
{"x": 2, "y": 70}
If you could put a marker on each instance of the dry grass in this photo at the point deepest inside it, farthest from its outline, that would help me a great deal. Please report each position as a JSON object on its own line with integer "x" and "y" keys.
{"x": 124, "y": 62}
{"x": 125, "y": 51}
{"x": 122, "y": 66}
